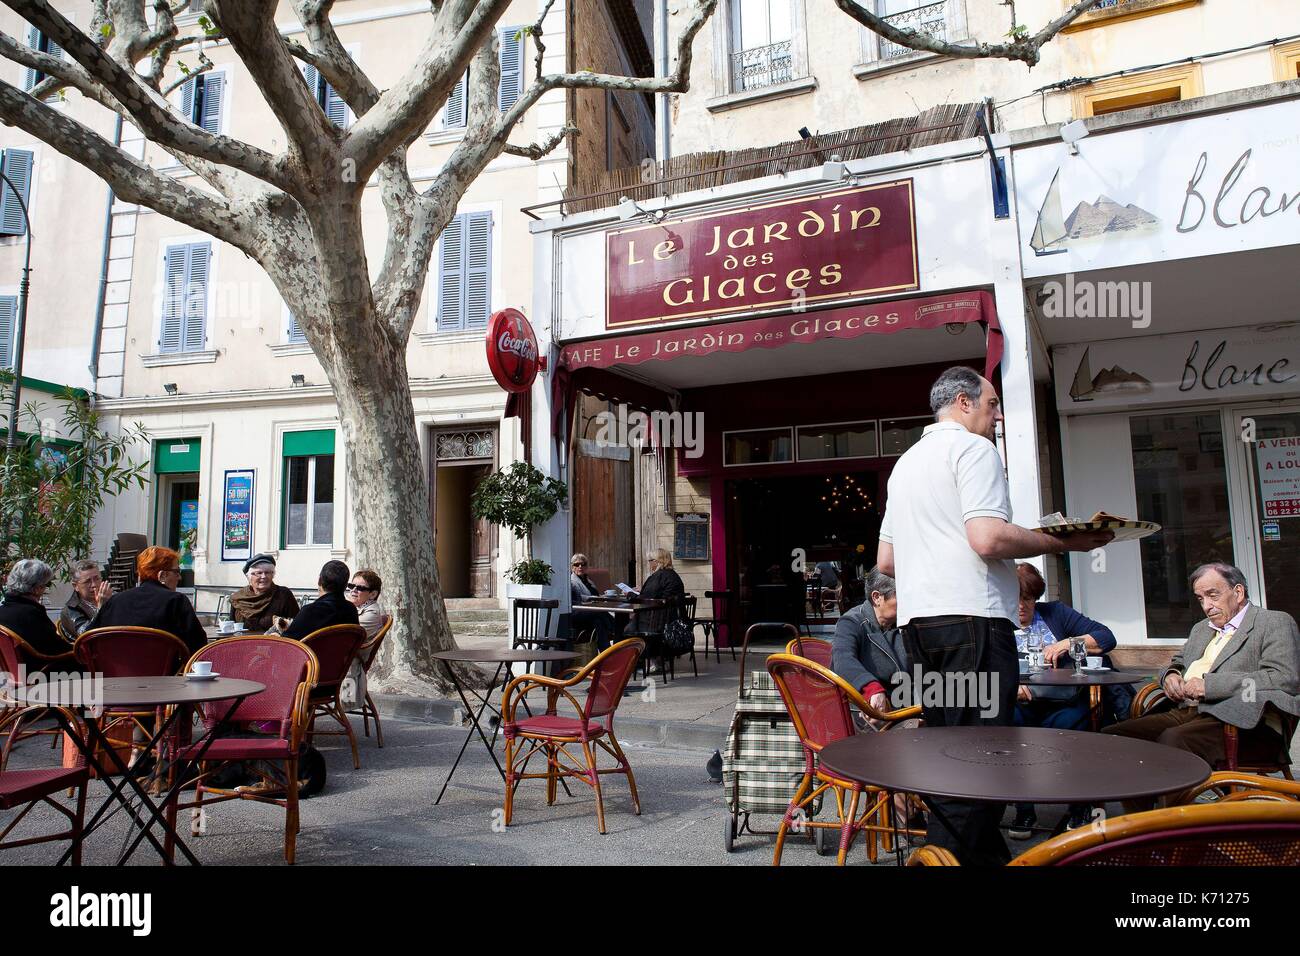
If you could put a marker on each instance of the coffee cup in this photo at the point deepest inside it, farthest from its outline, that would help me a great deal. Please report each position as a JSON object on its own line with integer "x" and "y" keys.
{"x": 201, "y": 669}
{"x": 228, "y": 627}
{"x": 1094, "y": 663}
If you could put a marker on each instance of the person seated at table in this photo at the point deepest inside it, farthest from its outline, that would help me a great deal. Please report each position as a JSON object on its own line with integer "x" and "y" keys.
{"x": 868, "y": 650}
{"x": 363, "y": 592}
{"x": 262, "y": 601}
{"x": 1060, "y": 708}
{"x": 89, "y": 591}
{"x": 663, "y": 581}
{"x": 581, "y": 590}
{"x": 1238, "y": 647}
{"x": 154, "y": 602}
{"x": 330, "y": 608}
{"x": 22, "y": 611}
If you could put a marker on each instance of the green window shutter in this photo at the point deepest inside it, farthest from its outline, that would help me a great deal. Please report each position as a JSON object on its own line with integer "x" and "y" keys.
{"x": 176, "y": 455}
{"x": 318, "y": 441}
{"x": 18, "y": 167}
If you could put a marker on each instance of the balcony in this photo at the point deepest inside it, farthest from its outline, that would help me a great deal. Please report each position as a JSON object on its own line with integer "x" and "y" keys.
{"x": 931, "y": 18}
{"x": 762, "y": 66}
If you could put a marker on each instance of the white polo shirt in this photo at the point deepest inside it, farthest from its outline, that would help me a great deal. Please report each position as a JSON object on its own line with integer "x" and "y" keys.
{"x": 945, "y": 479}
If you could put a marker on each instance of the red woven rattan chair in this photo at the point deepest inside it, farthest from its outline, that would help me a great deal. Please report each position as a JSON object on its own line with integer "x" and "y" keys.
{"x": 819, "y": 703}
{"x": 551, "y": 734}
{"x": 366, "y": 709}
{"x": 335, "y": 648}
{"x": 811, "y": 648}
{"x": 288, "y": 668}
{"x": 17, "y": 657}
{"x": 26, "y": 788}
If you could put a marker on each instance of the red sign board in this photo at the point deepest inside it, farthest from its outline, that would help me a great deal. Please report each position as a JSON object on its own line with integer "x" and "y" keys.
{"x": 811, "y": 251}
{"x": 512, "y": 350}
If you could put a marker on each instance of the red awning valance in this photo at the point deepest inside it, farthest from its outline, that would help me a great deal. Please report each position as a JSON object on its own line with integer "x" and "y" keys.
{"x": 790, "y": 328}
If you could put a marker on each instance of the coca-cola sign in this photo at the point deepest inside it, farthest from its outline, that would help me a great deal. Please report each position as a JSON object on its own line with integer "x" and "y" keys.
{"x": 807, "y": 251}
{"x": 512, "y": 350}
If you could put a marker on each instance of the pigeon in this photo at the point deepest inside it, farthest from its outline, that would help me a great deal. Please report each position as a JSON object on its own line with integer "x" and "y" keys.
{"x": 714, "y": 767}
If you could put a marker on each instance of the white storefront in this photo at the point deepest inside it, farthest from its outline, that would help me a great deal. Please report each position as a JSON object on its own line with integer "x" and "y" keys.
{"x": 1162, "y": 267}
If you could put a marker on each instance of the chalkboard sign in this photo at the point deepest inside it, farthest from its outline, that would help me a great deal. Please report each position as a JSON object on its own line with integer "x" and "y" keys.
{"x": 691, "y": 538}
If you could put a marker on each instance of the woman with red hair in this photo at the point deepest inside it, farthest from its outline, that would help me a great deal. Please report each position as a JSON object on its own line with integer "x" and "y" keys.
{"x": 154, "y": 601}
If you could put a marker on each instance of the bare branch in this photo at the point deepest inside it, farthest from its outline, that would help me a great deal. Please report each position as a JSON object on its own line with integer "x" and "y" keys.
{"x": 1022, "y": 47}
{"x": 204, "y": 66}
{"x": 536, "y": 33}
{"x": 538, "y": 150}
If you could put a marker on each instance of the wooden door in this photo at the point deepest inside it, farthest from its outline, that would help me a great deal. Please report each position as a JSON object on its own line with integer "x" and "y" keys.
{"x": 603, "y": 511}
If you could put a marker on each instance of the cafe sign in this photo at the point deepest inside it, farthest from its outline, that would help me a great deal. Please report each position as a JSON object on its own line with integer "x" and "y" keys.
{"x": 807, "y": 251}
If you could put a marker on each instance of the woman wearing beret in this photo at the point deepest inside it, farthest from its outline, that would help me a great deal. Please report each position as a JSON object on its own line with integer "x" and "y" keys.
{"x": 257, "y": 605}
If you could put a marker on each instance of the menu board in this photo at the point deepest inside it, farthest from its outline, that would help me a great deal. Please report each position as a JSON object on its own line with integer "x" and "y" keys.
{"x": 237, "y": 516}
{"x": 691, "y": 538}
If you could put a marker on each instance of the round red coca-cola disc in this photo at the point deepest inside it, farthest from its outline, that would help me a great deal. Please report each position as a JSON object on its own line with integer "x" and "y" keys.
{"x": 512, "y": 352}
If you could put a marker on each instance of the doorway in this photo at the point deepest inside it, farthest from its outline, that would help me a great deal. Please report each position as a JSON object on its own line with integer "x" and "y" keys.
{"x": 464, "y": 544}
{"x": 178, "y": 508}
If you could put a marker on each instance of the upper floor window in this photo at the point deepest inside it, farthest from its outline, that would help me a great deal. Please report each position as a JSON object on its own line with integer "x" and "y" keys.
{"x": 8, "y": 318}
{"x": 944, "y": 20}
{"x": 185, "y": 297}
{"x": 764, "y": 43}
{"x": 1151, "y": 88}
{"x": 465, "y": 272}
{"x": 327, "y": 97}
{"x": 39, "y": 41}
{"x": 18, "y": 165}
{"x": 455, "y": 112}
{"x": 294, "y": 335}
{"x": 201, "y": 97}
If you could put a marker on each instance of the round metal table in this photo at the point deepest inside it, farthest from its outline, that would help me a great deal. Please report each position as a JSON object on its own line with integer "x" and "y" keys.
{"x": 1093, "y": 680}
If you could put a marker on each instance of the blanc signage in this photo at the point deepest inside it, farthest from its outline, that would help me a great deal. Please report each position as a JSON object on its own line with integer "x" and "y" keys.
{"x": 851, "y": 242}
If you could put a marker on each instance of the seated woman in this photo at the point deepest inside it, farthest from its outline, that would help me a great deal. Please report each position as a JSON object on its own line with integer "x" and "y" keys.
{"x": 663, "y": 581}
{"x": 363, "y": 593}
{"x": 22, "y": 611}
{"x": 257, "y": 605}
{"x": 154, "y": 601}
{"x": 580, "y": 589}
{"x": 1061, "y": 708}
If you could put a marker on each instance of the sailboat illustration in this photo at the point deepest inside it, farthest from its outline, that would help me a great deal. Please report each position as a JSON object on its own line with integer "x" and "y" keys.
{"x": 1115, "y": 379}
{"x": 1049, "y": 231}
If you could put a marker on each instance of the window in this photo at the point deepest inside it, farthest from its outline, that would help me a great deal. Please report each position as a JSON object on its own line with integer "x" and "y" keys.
{"x": 308, "y": 488}
{"x": 325, "y": 95}
{"x": 762, "y": 38}
{"x": 897, "y": 435}
{"x": 465, "y": 272}
{"x": 1141, "y": 89}
{"x": 294, "y": 335}
{"x": 758, "y": 447}
{"x": 455, "y": 112}
{"x": 8, "y": 319}
{"x": 201, "y": 100}
{"x": 39, "y": 41}
{"x": 944, "y": 20}
{"x": 1286, "y": 61}
{"x": 1108, "y": 11}
{"x": 844, "y": 440}
{"x": 185, "y": 297}
{"x": 18, "y": 167}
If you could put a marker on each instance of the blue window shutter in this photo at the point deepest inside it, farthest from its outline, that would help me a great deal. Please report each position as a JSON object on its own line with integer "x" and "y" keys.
{"x": 335, "y": 108}
{"x": 196, "y": 296}
{"x": 187, "y": 99}
{"x": 312, "y": 76}
{"x": 478, "y": 269}
{"x": 453, "y": 111}
{"x": 8, "y": 316}
{"x": 170, "y": 336}
{"x": 18, "y": 167}
{"x": 210, "y": 108}
{"x": 512, "y": 67}
{"x": 296, "y": 333}
{"x": 33, "y": 76}
{"x": 451, "y": 275}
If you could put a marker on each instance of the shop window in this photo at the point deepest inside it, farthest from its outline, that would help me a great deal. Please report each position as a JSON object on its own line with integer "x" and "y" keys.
{"x": 18, "y": 165}
{"x": 1141, "y": 89}
{"x": 897, "y": 435}
{"x": 843, "y": 440}
{"x": 765, "y": 44}
{"x": 1286, "y": 61}
{"x": 465, "y": 273}
{"x": 1189, "y": 504}
{"x": 185, "y": 302}
{"x": 762, "y": 446}
{"x": 308, "y": 517}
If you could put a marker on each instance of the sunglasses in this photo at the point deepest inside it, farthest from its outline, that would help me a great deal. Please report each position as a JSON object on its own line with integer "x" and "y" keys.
{"x": 356, "y": 587}
{"x": 579, "y": 564}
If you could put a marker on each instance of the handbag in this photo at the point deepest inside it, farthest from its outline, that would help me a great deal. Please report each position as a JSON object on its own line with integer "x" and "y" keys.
{"x": 679, "y": 637}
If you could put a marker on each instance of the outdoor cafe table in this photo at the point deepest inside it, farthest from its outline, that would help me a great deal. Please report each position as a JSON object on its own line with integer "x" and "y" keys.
{"x": 1009, "y": 764}
{"x": 619, "y": 605}
{"x": 503, "y": 659}
{"x": 97, "y": 700}
{"x": 1093, "y": 680}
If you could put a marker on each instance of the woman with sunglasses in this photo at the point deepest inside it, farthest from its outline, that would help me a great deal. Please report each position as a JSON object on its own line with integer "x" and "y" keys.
{"x": 363, "y": 591}
{"x": 600, "y": 624}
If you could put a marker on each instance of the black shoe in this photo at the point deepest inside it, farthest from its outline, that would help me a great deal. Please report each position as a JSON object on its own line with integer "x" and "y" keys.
{"x": 1079, "y": 818}
{"x": 1022, "y": 827}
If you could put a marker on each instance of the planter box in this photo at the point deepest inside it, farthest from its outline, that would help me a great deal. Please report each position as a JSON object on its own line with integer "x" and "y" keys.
{"x": 534, "y": 591}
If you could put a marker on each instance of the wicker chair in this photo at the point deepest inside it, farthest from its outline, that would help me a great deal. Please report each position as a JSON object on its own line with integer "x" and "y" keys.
{"x": 335, "y": 648}
{"x": 17, "y": 656}
{"x": 367, "y": 653}
{"x": 26, "y": 788}
{"x": 1231, "y": 785}
{"x": 288, "y": 668}
{"x": 811, "y": 648}
{"x": 819, "y": 703}
{"x": 551, "y": 734}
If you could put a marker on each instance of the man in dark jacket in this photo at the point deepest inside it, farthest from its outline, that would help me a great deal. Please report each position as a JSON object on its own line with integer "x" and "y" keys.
{"x": 154, "y": 602}
{"x": 328, "y": 609}
{"x": 22, "y": 611}
{"x": 868, "y": 650}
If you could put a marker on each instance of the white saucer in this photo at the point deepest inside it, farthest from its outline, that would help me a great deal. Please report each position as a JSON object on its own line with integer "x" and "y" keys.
{"x": 1094, "y": 670}
{"x": 213, "y": 676}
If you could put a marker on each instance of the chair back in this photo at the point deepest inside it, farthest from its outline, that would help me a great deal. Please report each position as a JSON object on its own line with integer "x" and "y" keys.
{"x": 817, "y": 699}
{"x": 610, "y": 671}
{"x": 811, "y": 648}
{"x": 335, "y": 647}
{"x": 653, "y": 620}
{"x": 1236, "y": 833}
{"x": 287, "y": 667}
{"x": 11, "y": 653}
{"x": 370, "y": 649}
{"x": 689, "y": 605}
{"x": 130, "y": 651}
{"x": 58, "y": 629}
{"x": 600, "y": 579}
{"x": 532, "y": 618}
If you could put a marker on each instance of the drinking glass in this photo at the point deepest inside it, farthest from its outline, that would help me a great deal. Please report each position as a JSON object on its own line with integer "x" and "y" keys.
{"x": 1035, "y": 644}
{"x": 1078, "y": 651}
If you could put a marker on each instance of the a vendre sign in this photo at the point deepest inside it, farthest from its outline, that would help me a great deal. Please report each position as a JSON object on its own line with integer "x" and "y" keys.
{"x": 807, "y": 251}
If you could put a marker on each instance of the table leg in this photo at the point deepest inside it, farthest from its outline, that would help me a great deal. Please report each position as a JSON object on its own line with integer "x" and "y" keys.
{"x": 475, "y": 718}
{"x": 1094, "y": 706}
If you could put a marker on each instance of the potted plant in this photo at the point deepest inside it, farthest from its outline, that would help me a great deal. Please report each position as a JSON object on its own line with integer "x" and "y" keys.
{"x": 520, "y": 498}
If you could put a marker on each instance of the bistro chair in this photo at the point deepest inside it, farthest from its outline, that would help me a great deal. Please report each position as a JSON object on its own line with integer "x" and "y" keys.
{"x": 811, "y": 648}
{"x": 689, "y": 605}
{"x": 819, "y": 703}
{"x": 335, "y": 648}
{"x": 1229, "y": 785}
{"x": 1151, "y": 698}
{"x": 365, "y": 708}
{"x": 58, "y": 629}
{"x": 18, "y": 657}
{"x": 551, "y": 734}
{"x": 532, "y": 626}
{"x": 26, "y": 788}
{"x": 288, "y": 668}
{"x": 647, "y": 625}
{"x": 713, "y": 626}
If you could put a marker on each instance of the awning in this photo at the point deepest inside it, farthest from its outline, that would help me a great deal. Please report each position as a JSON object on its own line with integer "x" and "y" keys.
{"x": 793, "y": 328}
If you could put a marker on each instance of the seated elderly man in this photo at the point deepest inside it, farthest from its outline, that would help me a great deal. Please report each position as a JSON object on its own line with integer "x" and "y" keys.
{"x": 330, "y": 608}
{"x": 1237, "y": 661}
{"x": 868, "y": 650}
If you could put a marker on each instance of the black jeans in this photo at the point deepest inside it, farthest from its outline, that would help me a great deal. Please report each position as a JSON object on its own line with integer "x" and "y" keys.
{"x": 985, "y": 648}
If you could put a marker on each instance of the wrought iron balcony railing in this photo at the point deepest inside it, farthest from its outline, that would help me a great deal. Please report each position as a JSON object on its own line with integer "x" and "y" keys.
{"x": 931, "y": 18}
{"x": 762, "y": 66}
